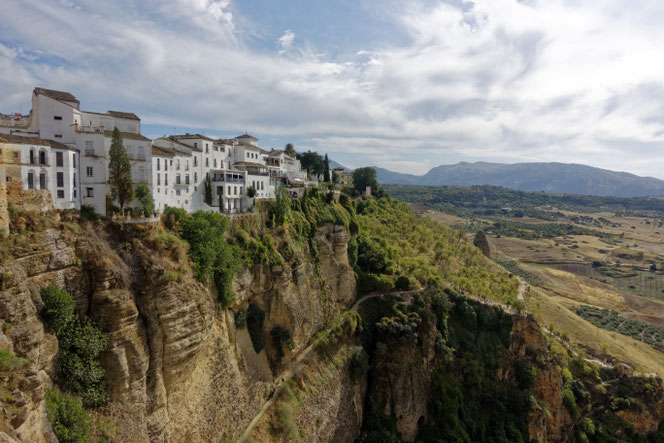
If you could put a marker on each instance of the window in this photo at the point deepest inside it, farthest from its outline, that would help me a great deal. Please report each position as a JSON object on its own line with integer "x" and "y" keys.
{"x": 15, "y": 155}
{"x": 215, "y": 162}
{"x": 73, "y": 157}
{"x": 74, "y": 182}
{"x": 88, "y": 171}
{"x": 158, "y": 164}
{"x": 42, "y": 180}
{"x": 186, "y": 165}
{"x": 57, "y": 117}
{"x": 177, "y": 165}
{"x": 59, "y": 159}
{"x": 207, "y": 148}
{"x": 165, "y": 165}
{"x": 234, "y": 190}
{"x": 177, "y": 179}
{"x": 58, "y": 135}
{"x": 177, "y": 192}
{"x": 166, "y": 181}
{"x": 61, "y": 179}
{"x": 195, "y": 161}
{"x": 158, "y": 179}
{"x": 207, "y": 162}
{"x": 186, "y": 179}
{"x": 74, "y": 193}
{"x": 195, "y": 145}
{"x": 89, "y": 192}
{"x": 195, "y": 177}
{"x": 32, "y": 157}
{"x": 61, "y": 193}
{"x": 31, "y": 180}
{"x": 42, "y": 157}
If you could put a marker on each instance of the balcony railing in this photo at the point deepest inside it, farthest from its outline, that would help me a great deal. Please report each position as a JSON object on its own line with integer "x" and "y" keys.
{"x": 90, "y": 129}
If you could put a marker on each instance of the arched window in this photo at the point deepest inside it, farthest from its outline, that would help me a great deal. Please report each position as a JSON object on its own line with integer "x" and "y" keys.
{"x": 42, "y": 157}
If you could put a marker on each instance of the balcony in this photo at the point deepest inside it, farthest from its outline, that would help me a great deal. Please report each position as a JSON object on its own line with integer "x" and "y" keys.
{"x": 89, "y": 129}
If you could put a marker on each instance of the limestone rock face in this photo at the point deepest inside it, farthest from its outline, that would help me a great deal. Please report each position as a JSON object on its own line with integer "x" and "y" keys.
{"x": 554, "y": 424}
{"x": 177, "y": 368}
{"x": 401, "y": 379}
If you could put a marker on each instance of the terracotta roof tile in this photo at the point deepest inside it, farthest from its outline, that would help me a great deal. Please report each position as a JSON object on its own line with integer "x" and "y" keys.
{"x": 57, "y": 95}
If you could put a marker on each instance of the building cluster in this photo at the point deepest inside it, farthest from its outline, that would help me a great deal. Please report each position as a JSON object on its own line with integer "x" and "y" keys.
{"x": 64, "y": 151}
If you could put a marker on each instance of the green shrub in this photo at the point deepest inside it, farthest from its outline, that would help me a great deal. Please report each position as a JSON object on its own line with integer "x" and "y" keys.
{"x": 568, "y": 400}
{"x": 79, "y": 343}
{"x": 216, "y": 260}
{"x": 526, "y": 374}
{"x": 88, "y": 213}
{"x": 144, "y": 197}
{"x": 58, "y": 310}
{"x": 255, "y": 320}
{"x": 70, "y": 422}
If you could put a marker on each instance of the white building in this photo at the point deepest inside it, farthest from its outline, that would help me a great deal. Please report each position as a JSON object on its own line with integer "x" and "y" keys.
{"x": 42, "y": 165}
{"x": 56, "y": 115}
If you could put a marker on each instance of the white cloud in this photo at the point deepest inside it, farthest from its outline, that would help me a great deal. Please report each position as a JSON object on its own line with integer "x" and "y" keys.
{"x": 286, "y": 41}
{"x": 493, "y": 80}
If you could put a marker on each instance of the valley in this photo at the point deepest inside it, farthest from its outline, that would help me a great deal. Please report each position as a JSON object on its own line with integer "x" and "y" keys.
{"x": 585, "y": 259}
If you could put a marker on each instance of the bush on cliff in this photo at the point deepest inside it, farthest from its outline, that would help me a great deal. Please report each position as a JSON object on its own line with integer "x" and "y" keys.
{"x": 80, "y": 342}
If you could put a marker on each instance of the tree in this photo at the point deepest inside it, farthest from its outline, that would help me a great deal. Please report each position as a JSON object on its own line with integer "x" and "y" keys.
{"x": 312, "y": 162}
{"x": 251, "y": 192}
{"x": 363, "y": 177}
{"x": 119, "y": 172}
{"x": 289, "y": 150}
{"x": 326, "y": 169}
{"x": 144, "y": 197}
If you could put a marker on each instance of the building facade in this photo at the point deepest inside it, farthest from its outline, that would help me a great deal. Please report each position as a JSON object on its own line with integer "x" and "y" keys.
{"x": 65, "y": 150}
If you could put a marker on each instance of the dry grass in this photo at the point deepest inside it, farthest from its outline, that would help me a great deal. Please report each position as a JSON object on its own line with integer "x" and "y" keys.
{"x": 552, "y": 310}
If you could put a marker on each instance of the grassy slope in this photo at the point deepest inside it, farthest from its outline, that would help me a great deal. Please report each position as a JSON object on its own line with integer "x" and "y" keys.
{"x": 553, "y": 309}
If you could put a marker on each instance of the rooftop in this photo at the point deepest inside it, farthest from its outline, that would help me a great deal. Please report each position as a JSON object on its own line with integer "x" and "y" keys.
{"x": 128, "y": 136}
{"x": 126, "y": 115}
{"x": 191, "y": 137}
{"x": 26, "y": 140}
{"x": 57, "y": 95}
{"x": 246, "y": 136}
{"x": 162, "y": 152}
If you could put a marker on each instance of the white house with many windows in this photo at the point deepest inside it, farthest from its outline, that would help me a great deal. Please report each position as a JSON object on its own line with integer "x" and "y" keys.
{"x": 56, "y": 115}
{"x": 65, "y": 150}
{"x": 42, "y": 165}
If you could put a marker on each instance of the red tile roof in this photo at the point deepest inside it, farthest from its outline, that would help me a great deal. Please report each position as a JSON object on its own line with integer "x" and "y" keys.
{"x": 127, "y": 115}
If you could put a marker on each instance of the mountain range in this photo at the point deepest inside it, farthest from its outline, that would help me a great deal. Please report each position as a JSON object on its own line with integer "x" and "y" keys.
{"x": 549, "y": 177}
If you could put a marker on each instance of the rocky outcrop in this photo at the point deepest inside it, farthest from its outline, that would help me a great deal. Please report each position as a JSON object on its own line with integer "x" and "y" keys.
{"x": 176, "y": 366}
{"x": 548, "y": 420}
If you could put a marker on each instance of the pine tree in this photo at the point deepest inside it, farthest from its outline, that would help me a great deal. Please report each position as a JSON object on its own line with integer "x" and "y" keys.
{"x": 119, "y": 172}
{"x": 326, "y": 172}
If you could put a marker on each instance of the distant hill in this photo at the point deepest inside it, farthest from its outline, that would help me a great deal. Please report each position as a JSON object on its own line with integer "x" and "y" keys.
{"x": 549, "y": 177}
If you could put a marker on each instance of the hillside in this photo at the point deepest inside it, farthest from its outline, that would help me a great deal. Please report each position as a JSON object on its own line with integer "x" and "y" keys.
{"x": 319, "y": 318}
{"x": 548, "y": 177}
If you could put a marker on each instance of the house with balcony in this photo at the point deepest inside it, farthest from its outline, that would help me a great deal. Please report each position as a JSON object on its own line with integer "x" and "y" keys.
{"x": 56, "y": 115}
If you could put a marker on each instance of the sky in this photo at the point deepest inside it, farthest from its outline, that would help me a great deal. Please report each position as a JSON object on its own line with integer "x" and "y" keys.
{"x": 405, "y": 85}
